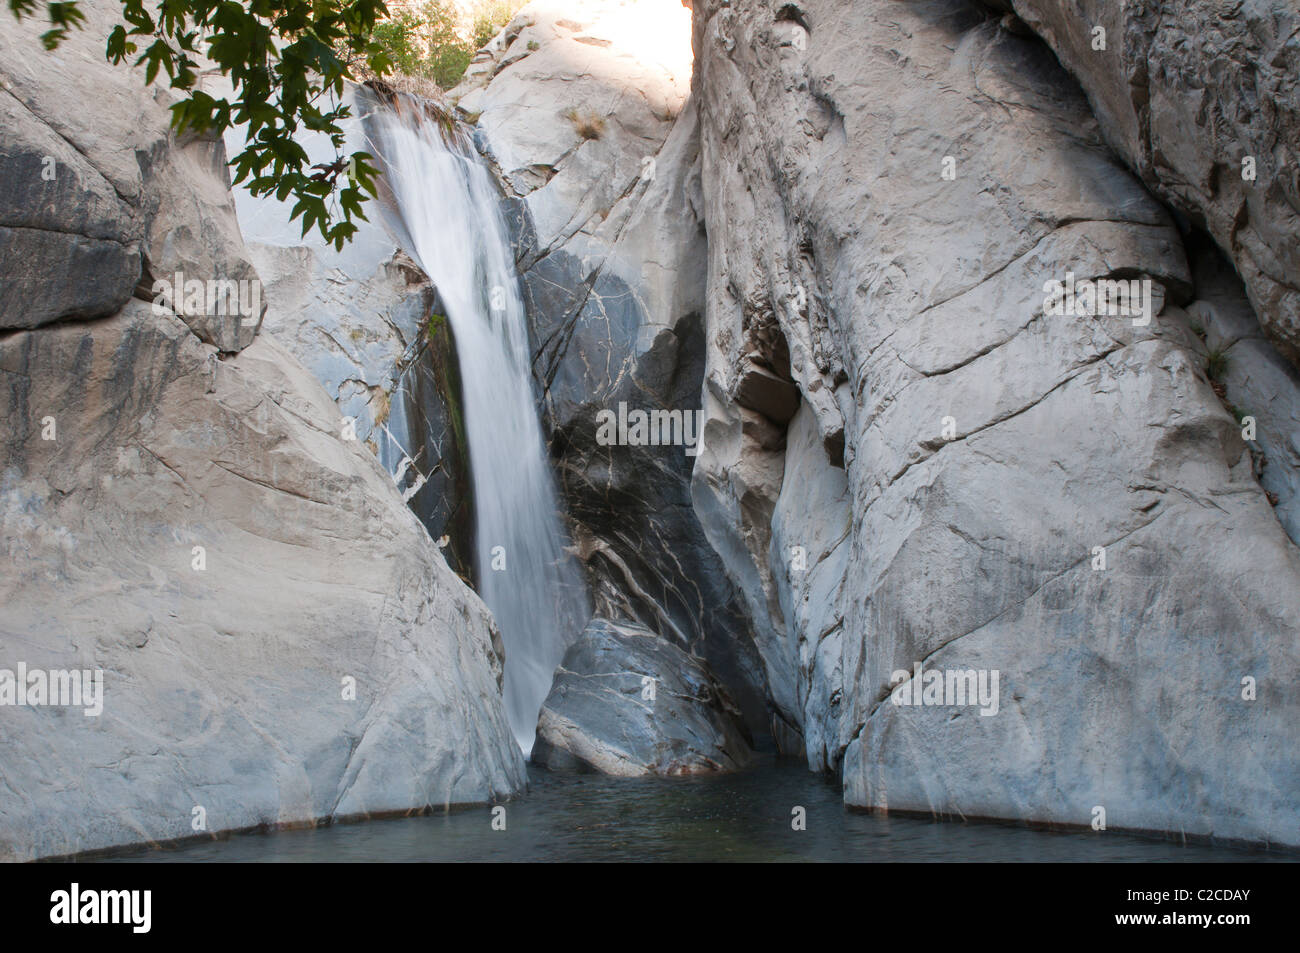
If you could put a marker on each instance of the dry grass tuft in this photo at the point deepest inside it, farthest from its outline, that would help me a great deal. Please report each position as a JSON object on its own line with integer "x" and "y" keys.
{"x": 588, "y": 125}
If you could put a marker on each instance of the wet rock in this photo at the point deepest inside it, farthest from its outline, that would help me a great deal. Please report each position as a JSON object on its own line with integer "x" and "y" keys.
{"x": 602, "y": 193}
{"x": 627, "y": 702}
{"x": 368, "y": 323}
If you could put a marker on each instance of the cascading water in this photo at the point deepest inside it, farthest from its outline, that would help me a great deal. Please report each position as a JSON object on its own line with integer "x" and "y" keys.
{"x": 450, "y": 212}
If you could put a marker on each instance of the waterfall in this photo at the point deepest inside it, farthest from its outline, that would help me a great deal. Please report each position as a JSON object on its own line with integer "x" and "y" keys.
{"x": 450, "y": 212}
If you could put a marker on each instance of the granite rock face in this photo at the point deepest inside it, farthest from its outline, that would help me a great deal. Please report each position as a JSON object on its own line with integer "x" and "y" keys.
{"x": 1259, "y": 386}
{"x": 838, "y": 250}
{"x": 368, "y": 323}
{"x": 582, "y": 109}
{"x": 280, "y": 640}
{"x": 971, "y": 481}
{"x": 72, "y": 224}
{"x": 1203, "y": 101}
{"x": 99, "y": 200}
{"x": 627, "y": 702}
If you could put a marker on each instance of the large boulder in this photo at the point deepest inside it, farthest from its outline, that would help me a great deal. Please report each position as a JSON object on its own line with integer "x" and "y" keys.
{"x": 627, "y": 702}
{"x": 186, "y": 512}
{"x": 100, "y": 198}
{"x": 1062, "y": 500}
{"x": 59, "y": 215}
{"x": 280, "y": 639}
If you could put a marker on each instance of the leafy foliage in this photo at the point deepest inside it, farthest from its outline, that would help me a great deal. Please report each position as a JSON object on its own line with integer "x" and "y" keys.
{"x": 491, "y": 18}
{"x": 287, "y": 61}
{"x": 427, "y": 38}
{"x": 62, "y": 17}
{"x": 423, "y": 41}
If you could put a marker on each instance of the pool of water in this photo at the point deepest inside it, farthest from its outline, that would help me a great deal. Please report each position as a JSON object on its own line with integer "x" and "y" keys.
{"x": 737, "y": 817}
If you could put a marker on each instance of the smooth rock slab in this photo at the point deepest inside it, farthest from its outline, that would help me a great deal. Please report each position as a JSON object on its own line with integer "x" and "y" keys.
{"x": 626, "y": 702}
{"x": 280, "y": 639}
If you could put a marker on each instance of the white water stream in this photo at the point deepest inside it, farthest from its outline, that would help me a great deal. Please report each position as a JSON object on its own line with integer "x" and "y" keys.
{"x": 450, "y": 210}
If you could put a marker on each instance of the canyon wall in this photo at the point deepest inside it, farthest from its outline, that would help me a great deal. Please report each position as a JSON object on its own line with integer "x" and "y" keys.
{"x": 970, "y": 481}
{"x": 828, "y": 227}
{"x": 1202, "y": 101}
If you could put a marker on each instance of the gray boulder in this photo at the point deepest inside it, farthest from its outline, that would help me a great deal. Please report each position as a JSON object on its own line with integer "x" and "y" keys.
{"x": 280, "y": 640}
{"x": 59, "y": 217}
{"x": 627, "y": 702}
{"x": 99, "y": 198}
